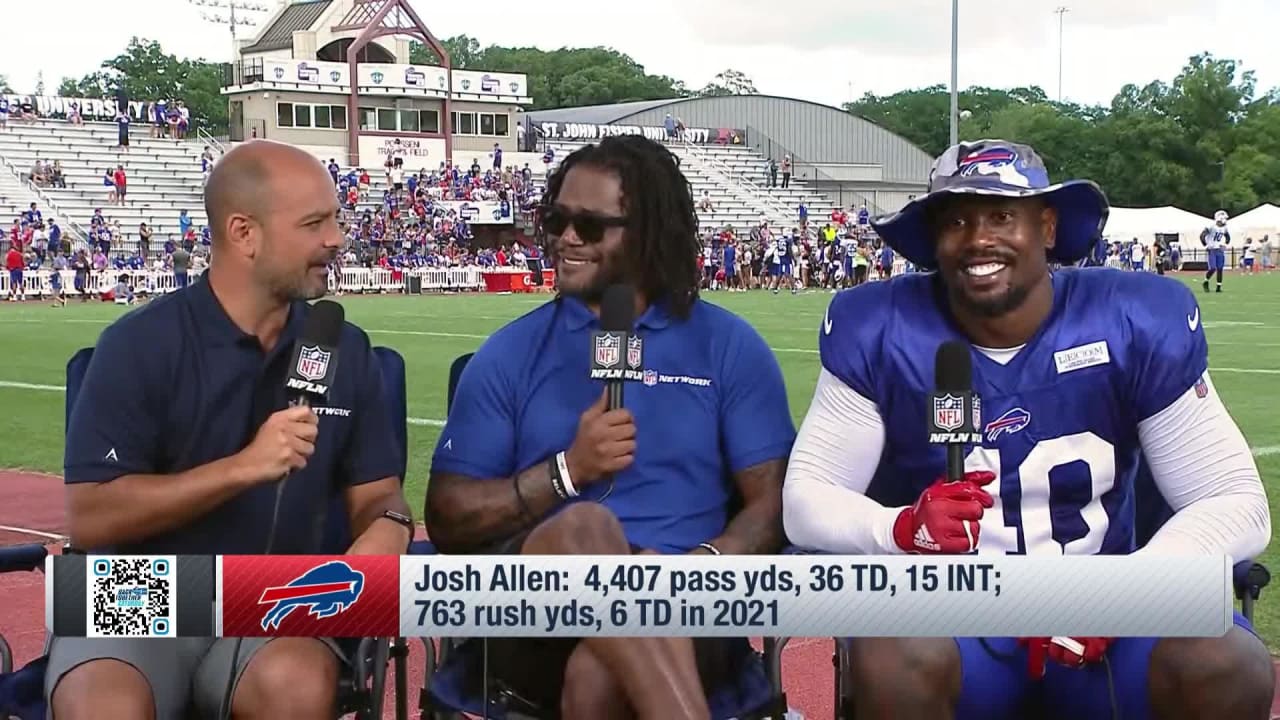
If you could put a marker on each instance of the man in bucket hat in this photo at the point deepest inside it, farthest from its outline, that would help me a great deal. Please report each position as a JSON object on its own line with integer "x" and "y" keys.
{"x": 1096, "y": 405}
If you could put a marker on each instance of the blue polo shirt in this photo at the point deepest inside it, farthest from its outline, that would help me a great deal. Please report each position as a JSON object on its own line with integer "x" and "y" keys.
{"x": 714, "y": 404}
{"x": 175, "y": 385}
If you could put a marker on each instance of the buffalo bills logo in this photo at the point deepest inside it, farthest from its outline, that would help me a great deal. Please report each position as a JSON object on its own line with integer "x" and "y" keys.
{"x": 1009, "y": 423}
{"x": 1000, "y": 162}
{"x": 323, "y": 592}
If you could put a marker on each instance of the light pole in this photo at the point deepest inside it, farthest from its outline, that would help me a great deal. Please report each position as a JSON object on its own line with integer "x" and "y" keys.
{"x": 250, "y": 13}
{"x": 955, "y": 72}
{"x": 1061, "y": 13}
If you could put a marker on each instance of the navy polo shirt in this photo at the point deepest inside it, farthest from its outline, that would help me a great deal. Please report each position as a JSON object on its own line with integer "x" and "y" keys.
{"x": 715, "y": 404}
{"x": 175, "y": 385}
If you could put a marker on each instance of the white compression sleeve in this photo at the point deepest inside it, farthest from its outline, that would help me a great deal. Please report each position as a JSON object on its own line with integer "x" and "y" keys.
{"x": 1205, "y": 471}
{"x": 824, "y": 502}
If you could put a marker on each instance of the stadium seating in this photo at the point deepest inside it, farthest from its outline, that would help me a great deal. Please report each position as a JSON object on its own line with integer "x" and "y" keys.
{"x": 360, "y": 691}
{"x": 722, "y": 173}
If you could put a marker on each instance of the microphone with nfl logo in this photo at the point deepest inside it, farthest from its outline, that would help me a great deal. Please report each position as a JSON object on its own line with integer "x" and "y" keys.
{"x": 315, "y": 354}
{"x": 617, "y": 354}
{"x": 954, "y": 409}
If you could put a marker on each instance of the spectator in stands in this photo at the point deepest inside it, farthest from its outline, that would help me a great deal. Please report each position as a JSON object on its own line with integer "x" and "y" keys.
{"x": 497, "y": 157}
{"x": 120, "y": 180}
{"x": 619, "y": 211}
{"x": 122, "y": 129}
{"x": 4, "y": 112}
{"x": 39, "y": 173}
{"x": 173, "y": 118}
{"x": 144, "y": 240}
{"x": 786, "y": 170}
{"x": 56, "y": 178}
{"x": 669, "y": 123}
{"x": 184, "y": 119}
{"x": 122, "y": 292}
{"x": 206, "y": 163}
{"x": 73, "y": 115}
{"x": 771, "y": 169}
{"x": 109, "y": 182}
{"x": 705, "y": 205}
{"x": 184, "y": 222}
{"x": 83, "y": 267}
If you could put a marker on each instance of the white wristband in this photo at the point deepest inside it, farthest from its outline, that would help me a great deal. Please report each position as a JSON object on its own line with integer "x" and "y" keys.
{"x": 563, "y": 464}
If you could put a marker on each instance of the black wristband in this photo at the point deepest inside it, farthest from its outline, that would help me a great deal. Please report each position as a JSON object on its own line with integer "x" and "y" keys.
{"x": 557, "y": 482}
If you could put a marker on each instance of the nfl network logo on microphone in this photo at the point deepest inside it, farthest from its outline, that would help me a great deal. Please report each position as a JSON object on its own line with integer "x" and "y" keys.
{"x": 954, "y": 418}
{"x": 310, "y": 370}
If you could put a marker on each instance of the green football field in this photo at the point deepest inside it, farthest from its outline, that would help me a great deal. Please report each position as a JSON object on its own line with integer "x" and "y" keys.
{"x": 1243, "y": 326}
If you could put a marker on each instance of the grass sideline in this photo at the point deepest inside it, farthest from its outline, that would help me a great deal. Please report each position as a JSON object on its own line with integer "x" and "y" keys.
{"x": 1243, "y": 326}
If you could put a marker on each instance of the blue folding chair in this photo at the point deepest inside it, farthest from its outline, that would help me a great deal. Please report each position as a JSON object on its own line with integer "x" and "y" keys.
{"x": 757, "y": 694}
{"x": 1249, "y": 577}
{"x": 360, "y": 691}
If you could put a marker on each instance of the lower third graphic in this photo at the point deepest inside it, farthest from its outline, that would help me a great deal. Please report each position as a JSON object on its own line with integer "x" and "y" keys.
{"x": 324, "y": 591}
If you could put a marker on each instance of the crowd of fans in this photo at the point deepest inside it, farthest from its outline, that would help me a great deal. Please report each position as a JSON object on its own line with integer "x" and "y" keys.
{"x": 415, "y": 223}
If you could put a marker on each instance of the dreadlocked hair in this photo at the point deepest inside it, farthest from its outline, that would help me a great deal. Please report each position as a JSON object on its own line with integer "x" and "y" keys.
{"x": 662, "y": 244}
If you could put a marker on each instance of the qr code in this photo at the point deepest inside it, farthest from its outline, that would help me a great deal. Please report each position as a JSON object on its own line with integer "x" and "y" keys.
{"x": 131, "y": 596}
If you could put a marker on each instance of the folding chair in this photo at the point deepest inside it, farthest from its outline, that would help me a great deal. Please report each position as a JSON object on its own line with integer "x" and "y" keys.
{"x": 360, "y": 691}
{"x": 1248, "y": 577}
{"x": 757, "y": 694}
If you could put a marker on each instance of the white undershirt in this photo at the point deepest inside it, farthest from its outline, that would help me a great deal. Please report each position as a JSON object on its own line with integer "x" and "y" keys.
{"x": 1199, "y": 459}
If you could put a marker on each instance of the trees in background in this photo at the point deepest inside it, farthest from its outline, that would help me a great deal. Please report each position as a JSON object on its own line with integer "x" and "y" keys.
{"x": 1206, "y": 140}
{"x": 1203, "y": 142}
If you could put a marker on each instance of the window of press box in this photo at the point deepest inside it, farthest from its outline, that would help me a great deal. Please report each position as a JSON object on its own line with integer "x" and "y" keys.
{"x": 393, "y": 120}
{"x": 305, "y": 115}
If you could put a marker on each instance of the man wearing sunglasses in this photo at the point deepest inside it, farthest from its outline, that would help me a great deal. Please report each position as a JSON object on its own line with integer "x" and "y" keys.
{"x": 531, "y": 461}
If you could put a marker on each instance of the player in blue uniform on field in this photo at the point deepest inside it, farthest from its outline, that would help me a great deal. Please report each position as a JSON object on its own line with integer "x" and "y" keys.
{"x": 1215, "y": 240}
{"x": 1082, "y": 373}
{"x": 783, "y": 252}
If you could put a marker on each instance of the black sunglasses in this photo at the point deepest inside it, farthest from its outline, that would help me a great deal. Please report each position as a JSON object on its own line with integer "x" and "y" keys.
{"x": 588, "y": 226}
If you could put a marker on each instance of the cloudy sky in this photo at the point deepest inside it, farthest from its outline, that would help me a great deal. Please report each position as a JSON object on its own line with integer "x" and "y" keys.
{"x": 822, "y": 50}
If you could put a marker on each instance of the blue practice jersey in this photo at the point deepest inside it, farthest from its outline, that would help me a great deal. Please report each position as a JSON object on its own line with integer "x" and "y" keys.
{"x": 1059, "y": 421}
{"x": 782, "y": 249}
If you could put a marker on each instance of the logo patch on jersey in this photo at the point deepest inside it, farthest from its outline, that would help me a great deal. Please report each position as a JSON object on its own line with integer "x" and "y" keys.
{"x": 1084, "y": 356}
{"x": 650, "y": 377}
{"x": 1193, "y": 320}
{"x": 1202, "y": 388}
{"x": 1009, "y": 423}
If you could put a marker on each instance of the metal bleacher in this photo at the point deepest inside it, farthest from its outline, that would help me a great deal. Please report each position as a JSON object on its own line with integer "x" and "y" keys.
{"x": 733, "y": 177}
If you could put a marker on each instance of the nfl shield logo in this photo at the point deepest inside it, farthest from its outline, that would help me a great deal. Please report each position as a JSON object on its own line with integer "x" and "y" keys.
{"x": 608, "y": 350}
{"x": 948, "y": 412}
{"x": 635, "y": 352}
{"x": 313, "y": 363}
{"x": 650, "y": 377}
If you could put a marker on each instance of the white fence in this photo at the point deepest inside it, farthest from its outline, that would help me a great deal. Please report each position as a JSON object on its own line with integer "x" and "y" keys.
{"x": 348, "y": 280}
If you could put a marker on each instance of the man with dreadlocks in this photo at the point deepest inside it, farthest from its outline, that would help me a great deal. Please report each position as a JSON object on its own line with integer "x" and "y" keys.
{"x": 709, "y": 429}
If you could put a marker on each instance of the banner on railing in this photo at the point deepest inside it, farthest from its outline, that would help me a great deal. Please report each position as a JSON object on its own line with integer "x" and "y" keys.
{"x": 638, "y": 595}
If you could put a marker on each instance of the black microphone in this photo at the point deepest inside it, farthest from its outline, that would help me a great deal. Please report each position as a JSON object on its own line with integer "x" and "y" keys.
{"x": 617, "y": 354}
{"x": 315, "y": 354}
{"x": 954, "y": 409}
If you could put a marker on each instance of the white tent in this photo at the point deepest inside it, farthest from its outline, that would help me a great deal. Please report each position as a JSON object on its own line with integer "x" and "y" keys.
{"x": 1262, "y": 220}
{"x": 1145, "y": 223}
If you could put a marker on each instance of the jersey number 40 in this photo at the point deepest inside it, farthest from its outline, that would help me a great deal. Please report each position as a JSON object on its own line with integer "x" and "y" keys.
{"x": 1065, "y": 519}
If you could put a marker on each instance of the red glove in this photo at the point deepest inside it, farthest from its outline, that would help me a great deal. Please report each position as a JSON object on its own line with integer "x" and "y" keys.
{"x": 944, "y": 521}
{"x": 1069, "y": 651}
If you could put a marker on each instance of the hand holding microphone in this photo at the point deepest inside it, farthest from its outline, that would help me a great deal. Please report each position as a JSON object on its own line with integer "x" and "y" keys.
{"x": 944, "y": 519}
{"x": 605, "y": 443}
{"x": 283, "y": 444}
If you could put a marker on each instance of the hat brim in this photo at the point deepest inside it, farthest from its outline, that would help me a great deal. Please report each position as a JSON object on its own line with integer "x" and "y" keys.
{"x": 1082, "y": 213}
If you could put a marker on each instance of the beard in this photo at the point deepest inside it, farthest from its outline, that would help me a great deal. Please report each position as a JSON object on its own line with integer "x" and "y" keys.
{"x": 590, "y": 290}
{"x": 993, "y": 305}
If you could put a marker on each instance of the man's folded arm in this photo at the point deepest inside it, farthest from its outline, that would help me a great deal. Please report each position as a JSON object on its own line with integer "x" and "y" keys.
{"x": 824, "y": 501}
